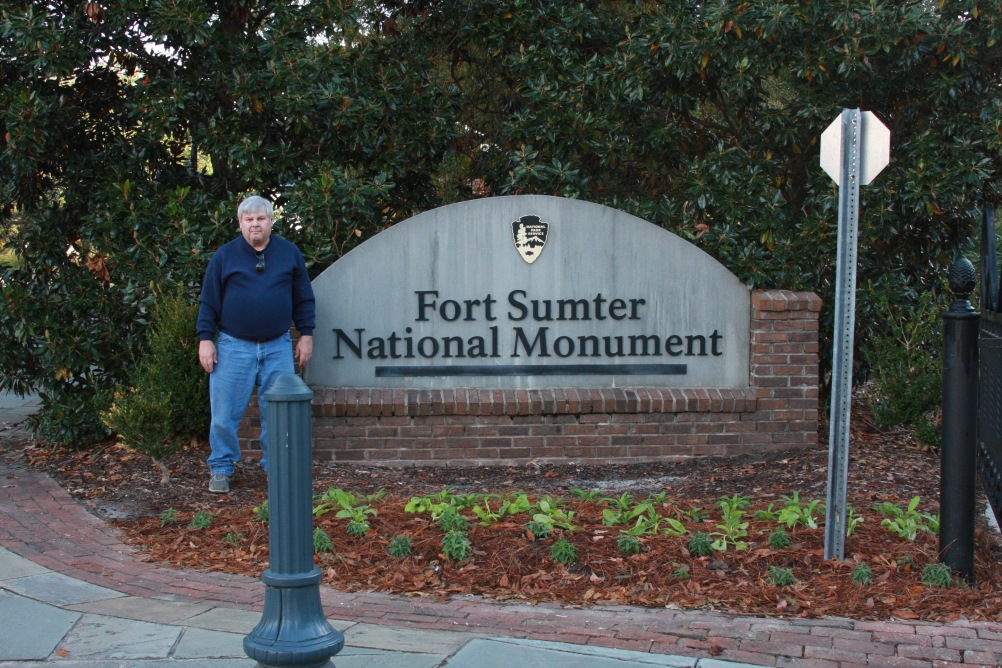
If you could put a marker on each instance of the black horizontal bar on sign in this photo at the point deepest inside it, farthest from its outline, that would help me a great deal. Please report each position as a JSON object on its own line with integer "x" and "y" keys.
{"x": 533, "y": 370}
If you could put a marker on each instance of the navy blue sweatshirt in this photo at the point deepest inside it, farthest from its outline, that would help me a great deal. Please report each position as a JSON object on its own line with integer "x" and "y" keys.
{"x": 240, "y": 301}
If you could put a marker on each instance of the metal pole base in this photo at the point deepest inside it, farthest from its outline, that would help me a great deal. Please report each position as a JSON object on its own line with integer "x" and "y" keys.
{"x": 293, "y": 630}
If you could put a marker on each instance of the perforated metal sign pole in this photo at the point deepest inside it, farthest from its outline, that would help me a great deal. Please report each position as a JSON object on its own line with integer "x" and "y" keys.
{"x": 845, "y": 322}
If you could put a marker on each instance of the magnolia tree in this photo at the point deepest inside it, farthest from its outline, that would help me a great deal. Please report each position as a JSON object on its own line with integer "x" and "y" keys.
{"x": 130, "y": 130}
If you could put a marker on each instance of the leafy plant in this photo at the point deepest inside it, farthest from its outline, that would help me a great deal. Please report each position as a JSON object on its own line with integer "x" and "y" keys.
{"x": 767, "y": 515}
{"x": 233, "y": 538}
{"x": 700, "y": 544}
{"x": 321, "y": 541}
{"x": 168, "y": 516}
{"x": 261, "y": 512}
{"x": 794, "y": 514}
{"x": 697, "y": 514}
{"x": 347, "y": 504}
{"x": 937, "y": 575}
{"x": 432, "y": 503}
{"x": 779, "y": 539}
{"x": 538, "y": 530}
{"x": 586, "y": 495}
{"x": 862, "y": 574}
{"x": 509, "y": 506}
{"x": 400, "y": 546}
{"x": 852, "y": 521}
{"x": 907, "y": 368}
{"x": 732, "y": 530}
{"x": 357, "y": 528}
{"x": 563, "y": 552}
{"x": 201, "y": 520}
{"x": 781, "y": 577}
{"x": 456, "y": 545}
{"x": 165, "y": 402}
{"x": 547, "y": 511}
{"x": 451, "y": 520}
{"x": 681, "y": 572}
{"x": 904, "y": 523}
{"x": 628, "y": 544}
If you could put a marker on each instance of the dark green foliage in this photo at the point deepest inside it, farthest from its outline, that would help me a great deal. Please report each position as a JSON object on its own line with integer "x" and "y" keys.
{"x": 781, "y": 577}
{"x": 862, "y": 574}
{"x": 129, "y": 131}
{"x": 937, "y": 575}
{"x": 779, "y": 539}
{"x": 456, "y": 545}
{"x": 907, "y": 366}
{"x": 700, "y": 544}
{"x": 321, "y": 541}
{"x": 357, "y": 528}
{"x": 538, "y": 530}
{"x": 627, "y": 545}
{"x": 563, "y": 552}
{"x": 202, "y": 519}
{"x": 400, "y": 546}
{"x": 167, "y": 399}
{"x": 450, "y": 520}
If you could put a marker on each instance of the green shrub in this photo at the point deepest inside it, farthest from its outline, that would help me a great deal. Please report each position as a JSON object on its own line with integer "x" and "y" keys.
{"x": 201, "y": 520}
{"x": 781, "y": 577}
{"x": 168, "y": 516}
{"x": 564, "y": 552}
{"x": 166, "y": 401}
{"x": 906, "y": 364}
{"x": 937, "y": 575}
{"x": 538, "y": 530}
{"x": 357, "y": 528}
{"x": 400, "y": 547}
{"x": 779, "y": 539}
{"x": 862, "y": 574}
{"x": 321, "y": 541}
{"x": 451, "y": 520}
{"x": 456, "y": 545}
{"x": 700, "y": 545}
{"x": 628, "y": 545}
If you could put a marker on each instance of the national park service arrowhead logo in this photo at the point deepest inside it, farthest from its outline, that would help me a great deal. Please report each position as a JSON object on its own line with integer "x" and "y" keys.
{"x": 529, "y": 234}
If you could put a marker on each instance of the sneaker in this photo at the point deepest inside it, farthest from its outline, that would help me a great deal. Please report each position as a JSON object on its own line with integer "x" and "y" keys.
{"x": 219, "y": 483}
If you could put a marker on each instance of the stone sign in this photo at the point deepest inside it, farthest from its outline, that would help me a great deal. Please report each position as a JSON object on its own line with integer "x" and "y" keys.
{"x": 529, "y": 291}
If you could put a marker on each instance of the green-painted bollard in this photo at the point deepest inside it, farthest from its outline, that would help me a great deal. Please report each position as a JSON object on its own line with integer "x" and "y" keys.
{"x": 293, "y": 630}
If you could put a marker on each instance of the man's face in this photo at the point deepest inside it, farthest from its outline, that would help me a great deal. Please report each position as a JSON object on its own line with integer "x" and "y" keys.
{"x": 255, "y": 226}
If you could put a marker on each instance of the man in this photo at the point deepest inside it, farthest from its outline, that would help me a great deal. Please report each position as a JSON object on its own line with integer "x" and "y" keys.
{"x": 255, "y": 287}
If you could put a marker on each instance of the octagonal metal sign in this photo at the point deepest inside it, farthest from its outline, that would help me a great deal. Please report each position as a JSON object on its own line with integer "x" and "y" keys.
{"x": 875, "y": 145}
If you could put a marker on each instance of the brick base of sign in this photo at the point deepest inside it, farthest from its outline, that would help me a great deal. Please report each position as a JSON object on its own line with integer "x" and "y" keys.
{"x": 475, "y": 427}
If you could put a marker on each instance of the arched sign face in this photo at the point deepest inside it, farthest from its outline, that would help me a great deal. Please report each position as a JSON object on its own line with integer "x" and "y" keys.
{"x": 524, "y": 292}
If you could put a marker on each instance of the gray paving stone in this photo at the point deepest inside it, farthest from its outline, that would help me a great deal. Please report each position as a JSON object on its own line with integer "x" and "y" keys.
{"x": 144, "y": 609}
{"x": 29, "y": 629}
{"x": 507, "y": 652}
{"x": 15, "y": 566}
{"x": 59, "y": 589}
{"x": 196, "y": 643}
{"x": 403, "y": 639}
{"x": 225, "y": 619}
{"x": 102, "y": 637}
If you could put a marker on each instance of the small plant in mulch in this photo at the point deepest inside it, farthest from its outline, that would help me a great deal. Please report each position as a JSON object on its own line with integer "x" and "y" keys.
{"x": 563, "y": 552}
{"x": 780, "y": 576}
{"x": 700, "y": 544}
{"x": 400, "y": 546}
{"x": 451, "y": 520}
{"x": 168, "y": 516}
{"x": 456, "y": 545}
{"x": 937, "y": 575}
{"x": 357, "y": 528}
{"x": 537, "y": 530}
{"x": 628, "y": 544}
{"x": 321, "y": 541}
{"x": 907, "y": 522}
{"x": 862, "y": 574}
{"x": 779, "y": 539}
{"x": 202, "y": 519}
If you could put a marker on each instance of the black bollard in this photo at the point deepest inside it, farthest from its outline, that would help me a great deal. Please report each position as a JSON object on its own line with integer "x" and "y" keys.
{"x": 293, "y": 630}
{"x": 960, "y": 423}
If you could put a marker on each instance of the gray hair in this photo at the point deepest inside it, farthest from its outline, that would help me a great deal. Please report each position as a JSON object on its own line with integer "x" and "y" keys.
{"x": 253, "y": 204}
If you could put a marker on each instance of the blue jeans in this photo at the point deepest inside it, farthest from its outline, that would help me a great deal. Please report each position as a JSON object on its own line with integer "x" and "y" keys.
{"x": 240, "y": 366}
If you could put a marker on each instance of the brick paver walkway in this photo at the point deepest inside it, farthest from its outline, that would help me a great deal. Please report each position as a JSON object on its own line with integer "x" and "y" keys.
{"x": 40, "y": 521}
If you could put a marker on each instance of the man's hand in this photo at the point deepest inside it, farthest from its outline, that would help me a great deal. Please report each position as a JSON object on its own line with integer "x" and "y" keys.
{"x": 304, "y": 350}
{"x": 207, "y": 355}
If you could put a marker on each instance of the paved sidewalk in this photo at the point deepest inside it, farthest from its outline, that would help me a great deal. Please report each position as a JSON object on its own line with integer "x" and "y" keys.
{"x": 73, "y": 594}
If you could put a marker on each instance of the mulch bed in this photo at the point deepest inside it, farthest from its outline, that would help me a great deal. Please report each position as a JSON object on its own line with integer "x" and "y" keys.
{"x": 508, "y": 563}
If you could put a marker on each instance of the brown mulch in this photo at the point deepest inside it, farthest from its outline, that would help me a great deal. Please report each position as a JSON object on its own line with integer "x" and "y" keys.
{"x": 508, "y": 563}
